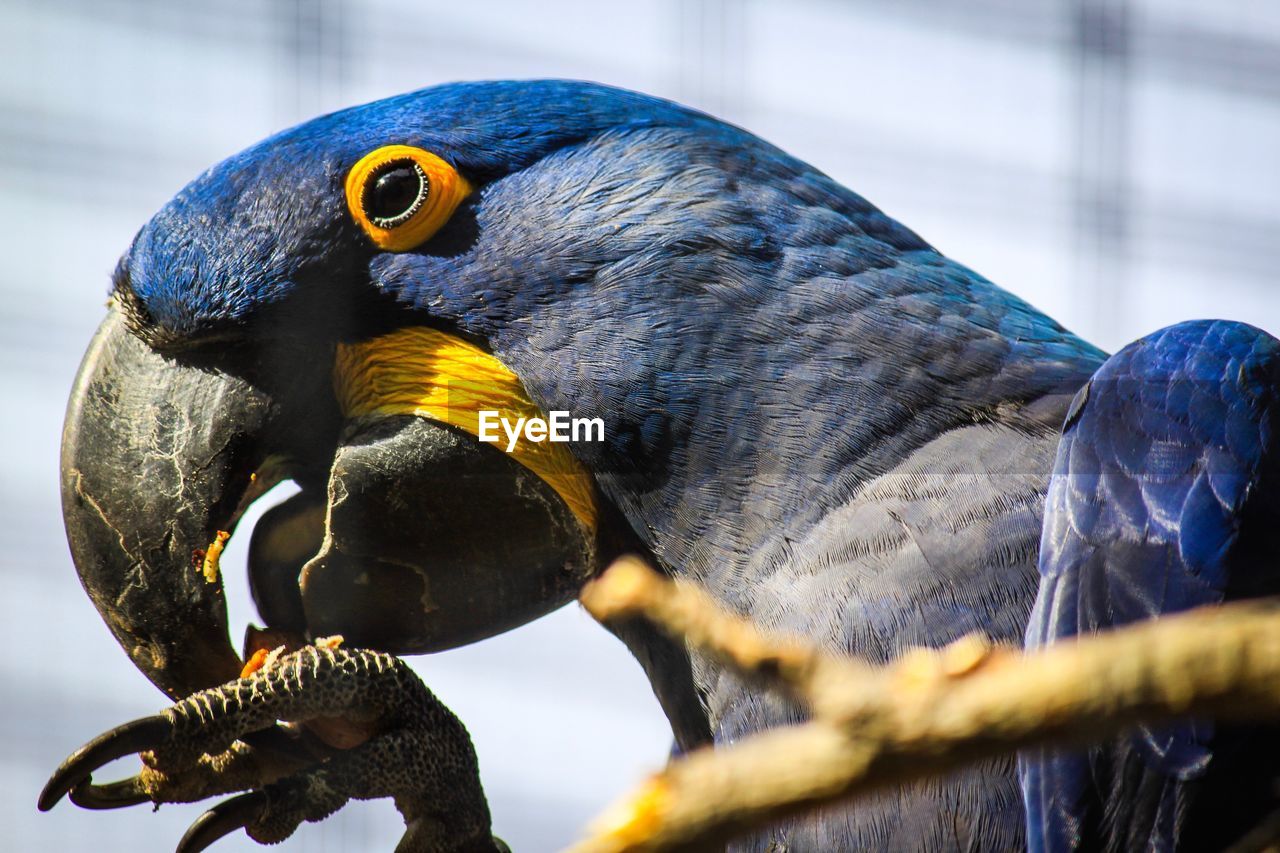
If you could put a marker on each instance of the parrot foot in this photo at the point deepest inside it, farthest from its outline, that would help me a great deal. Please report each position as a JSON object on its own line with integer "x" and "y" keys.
{"x": 359, "y": 725}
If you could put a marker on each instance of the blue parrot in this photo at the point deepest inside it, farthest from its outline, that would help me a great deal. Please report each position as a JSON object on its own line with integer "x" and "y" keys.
{"x": 809, "y": 411}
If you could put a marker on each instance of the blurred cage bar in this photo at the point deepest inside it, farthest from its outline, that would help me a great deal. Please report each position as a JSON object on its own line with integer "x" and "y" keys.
{"x": 1114, "y": 161}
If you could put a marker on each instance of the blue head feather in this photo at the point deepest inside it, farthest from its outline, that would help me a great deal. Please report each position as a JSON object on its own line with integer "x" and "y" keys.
{"x": 270, "y": 221}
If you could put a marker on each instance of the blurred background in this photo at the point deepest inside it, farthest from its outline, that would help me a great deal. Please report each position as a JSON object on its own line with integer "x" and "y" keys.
{"x": 1116, "y": 162}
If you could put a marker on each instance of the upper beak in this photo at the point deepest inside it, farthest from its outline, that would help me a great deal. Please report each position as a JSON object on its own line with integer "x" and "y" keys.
{"x": 157, "y": 458}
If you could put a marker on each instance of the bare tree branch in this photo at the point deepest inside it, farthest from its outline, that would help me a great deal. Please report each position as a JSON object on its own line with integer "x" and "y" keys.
{"x": 925, "y": 714}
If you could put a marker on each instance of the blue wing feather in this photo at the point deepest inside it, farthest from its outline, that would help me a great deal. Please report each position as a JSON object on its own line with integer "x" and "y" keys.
{"x": 1163, "y": 498}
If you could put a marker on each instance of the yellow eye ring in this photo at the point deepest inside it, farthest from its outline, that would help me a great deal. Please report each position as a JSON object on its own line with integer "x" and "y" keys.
{"x": 400, "y": 195}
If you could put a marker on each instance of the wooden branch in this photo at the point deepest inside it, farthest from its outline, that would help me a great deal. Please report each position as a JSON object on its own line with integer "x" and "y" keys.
{"x": 925, "y": 714}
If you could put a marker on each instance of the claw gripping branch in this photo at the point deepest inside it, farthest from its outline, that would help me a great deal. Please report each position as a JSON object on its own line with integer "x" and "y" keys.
{"x": 225, "y": 739}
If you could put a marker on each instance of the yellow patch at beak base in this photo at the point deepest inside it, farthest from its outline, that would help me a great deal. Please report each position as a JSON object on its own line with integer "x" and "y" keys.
{"x": 431, "y": 374}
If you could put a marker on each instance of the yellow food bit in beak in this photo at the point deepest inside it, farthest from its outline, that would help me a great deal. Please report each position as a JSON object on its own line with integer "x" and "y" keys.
{"x": 209, "y": 566}
{"x": 432, "y": 374}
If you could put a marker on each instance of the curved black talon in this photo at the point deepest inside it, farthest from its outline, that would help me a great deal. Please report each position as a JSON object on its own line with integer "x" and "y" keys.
{"x": 223, "y": 819}
{"x": 113, "y": 795}
{"x": 230, "y": 738}
{"x": 137, "y": 736}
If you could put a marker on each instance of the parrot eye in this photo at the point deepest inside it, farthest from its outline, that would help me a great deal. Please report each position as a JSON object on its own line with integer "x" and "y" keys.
{"x": 400, "y": 195}
{"x": 394, "y": 193}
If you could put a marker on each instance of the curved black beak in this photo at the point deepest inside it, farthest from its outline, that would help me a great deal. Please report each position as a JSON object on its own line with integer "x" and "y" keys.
{"x": 407, "y": 536}
{"x": 157, "y": 457}
{"x": 391, "y": 542}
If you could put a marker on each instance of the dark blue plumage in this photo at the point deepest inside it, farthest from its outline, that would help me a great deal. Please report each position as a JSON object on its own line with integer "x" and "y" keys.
{"x": 1164, "y": 497}
{"x": 835, "y": 429}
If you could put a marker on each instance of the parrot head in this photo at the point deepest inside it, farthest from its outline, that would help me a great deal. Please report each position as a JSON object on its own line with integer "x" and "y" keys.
{"x": 338, "y": 304}
{"x": 335, "y": 306}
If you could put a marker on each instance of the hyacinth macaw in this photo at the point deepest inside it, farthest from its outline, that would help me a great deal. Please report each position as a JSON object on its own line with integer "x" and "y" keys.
{"x": 808, "y": 410}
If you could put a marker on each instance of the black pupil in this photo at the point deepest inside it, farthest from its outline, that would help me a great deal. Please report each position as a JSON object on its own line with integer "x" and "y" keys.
{"x": 394, "y": 192}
